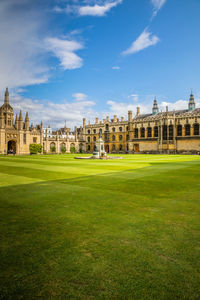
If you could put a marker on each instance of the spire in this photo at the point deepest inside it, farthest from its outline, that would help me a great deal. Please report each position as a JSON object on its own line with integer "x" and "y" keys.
{"x": 191, "y": 104}
{"x": 26, "y": 118}
{"x": 155, "y": 109}
{"x": 6, "y": 100}
{"x": 20, "y": 116}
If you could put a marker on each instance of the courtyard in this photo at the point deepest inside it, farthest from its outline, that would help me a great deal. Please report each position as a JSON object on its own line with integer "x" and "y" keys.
{"x": 96, "y": 229}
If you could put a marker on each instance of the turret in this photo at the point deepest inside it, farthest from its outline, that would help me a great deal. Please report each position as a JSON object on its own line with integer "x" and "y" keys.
{"x": 155, "y": 107}
{"x": 27, "y": 122}
{"x": 84, "y": 122}
{"x": 41, "y": 126}
{"x": 191, "y": 104}
{"x": 130, "y": 115}
{"x": 16, "y": 121}
{"x": 2, "y": 120}
{"x": 6, "y": 99}
{"x": 20, "y": 121}
{"x": 138, "y": 111}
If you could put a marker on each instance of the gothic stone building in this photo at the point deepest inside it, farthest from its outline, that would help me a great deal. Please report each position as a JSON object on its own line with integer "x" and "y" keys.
{"x": 158, "y": 132}
{"x": 16, "y": 136}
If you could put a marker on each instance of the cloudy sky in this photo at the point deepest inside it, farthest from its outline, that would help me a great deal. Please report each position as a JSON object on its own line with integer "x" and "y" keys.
{"x": 69, "y": 59}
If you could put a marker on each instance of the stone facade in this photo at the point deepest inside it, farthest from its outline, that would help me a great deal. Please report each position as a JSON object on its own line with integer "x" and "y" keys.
{"x": 16, "y": 136}
{"x": 158, "y": 132}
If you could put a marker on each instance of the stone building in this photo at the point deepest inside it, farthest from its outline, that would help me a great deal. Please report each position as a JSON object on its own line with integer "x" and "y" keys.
{"x": 156, "y": 132}
{"x": 16, "y": 135}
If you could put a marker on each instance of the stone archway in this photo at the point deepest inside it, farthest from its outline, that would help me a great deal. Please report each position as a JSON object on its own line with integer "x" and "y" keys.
{"x": 12, "y": 147}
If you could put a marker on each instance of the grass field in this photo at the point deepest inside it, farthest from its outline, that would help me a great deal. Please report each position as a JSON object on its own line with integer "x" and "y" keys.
{"x": 88, "y": 229}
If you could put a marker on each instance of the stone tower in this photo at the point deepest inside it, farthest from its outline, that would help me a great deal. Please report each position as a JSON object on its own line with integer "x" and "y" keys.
{"x": 191, "y": 104}
{"x": 6, "y": 112}
{"x": 155, "y": 107}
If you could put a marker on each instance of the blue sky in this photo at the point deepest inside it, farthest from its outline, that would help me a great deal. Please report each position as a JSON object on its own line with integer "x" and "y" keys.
{"x": 69, "y": 59}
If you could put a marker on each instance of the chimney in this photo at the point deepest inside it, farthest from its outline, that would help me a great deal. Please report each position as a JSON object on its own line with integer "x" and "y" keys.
{"x": 97, "y": 121}
{"x": 138, "y": 111}
{"x": 166, "y": 108}
{"x": 84, "y": 122}
{"x": 107, "y": 119}
{"x": 115, "y": 118}
{"x": 122, "y": 119}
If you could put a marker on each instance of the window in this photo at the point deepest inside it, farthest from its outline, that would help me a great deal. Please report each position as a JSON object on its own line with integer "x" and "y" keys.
{"x": 149, "y": 131}
{"x": 120, "y": 129}
{"x": 126, "y": 128}
{"x": 107, "y": 127}
{"x": 88, "y": 131}
{"x": 94, "y": 131}
{"x": 113, "y": 147}
{"x": 179, "y": 130}
{"x": 95, "y": 138}
{"x": 120, "y": 137}
{"x": 113, "y": 129}
{"x": 113, "y": 137}
{"x": 196, "y": 129}
{"x": 35, "y": 140}
{"x": 187, "y": 129}
{"x": 88, "y": 139}
{"x": 165, "y": 132}
{"x": 24, "y": 138}
{"x": 156, "y": 131}
{"x": 142, "y": 133}
{"x": 136, "y": 133}
{"x": 120, "y": 148}
{"x": 171, "y": 132}
{"x": 88, "y": 148}
{"x": 127, "y": 137}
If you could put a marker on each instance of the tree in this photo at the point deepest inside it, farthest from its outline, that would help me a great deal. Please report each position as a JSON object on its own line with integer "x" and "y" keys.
{"x": 63, "y": 149}
{"x": 72, "y": 149}
{"x": 53, "y": 149}
{"x": 35, "y": 148}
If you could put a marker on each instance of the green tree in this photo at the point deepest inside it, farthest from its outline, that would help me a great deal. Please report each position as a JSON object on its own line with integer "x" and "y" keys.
{"x": 72, "y": 149}
{"x": 35, "y": 148}
{"x": 63, "y": 149}
{"x": 53, "y": 149}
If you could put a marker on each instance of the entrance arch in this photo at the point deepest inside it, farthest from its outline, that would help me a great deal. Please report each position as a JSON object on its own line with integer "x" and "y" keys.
{"x": 107, "y": 148}
{"x": 12, "y": 147}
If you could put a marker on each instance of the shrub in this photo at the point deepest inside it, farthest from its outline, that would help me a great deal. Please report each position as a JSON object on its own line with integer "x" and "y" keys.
{"x": 63, "y": 149}
{"x": 53, "y": 149}
{"x": 35, "y": 148}
{"x": 72, "y": 150}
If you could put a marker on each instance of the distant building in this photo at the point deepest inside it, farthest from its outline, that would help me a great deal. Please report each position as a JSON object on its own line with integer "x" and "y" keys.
{"x": 156, "y": 132}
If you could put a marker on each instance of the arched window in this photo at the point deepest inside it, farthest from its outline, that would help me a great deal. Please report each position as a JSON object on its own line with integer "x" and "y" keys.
{"x": 94, "y": 131}
{"x": 113, "y": 138}
{"x": 196, "y": 129}
{"x": 107, "y": 127}
{"x": 113, "y": 147}
{"x": 120, "y": 148}
{"x": 88, "y": 139}
{"x": 88, "y": 148}
{"x": 179, "y": 130}
{"x": 136, "y": 133}
{"x": 156, "y": 131}
{"x": 120, "y": 129}
{"x": 142, "y": 132}
{"x": 171, "y": 132}
{"x": 113, "y": 129}
{"x": 187, "y": 129}
{"x": 95, "y": 138}
{"x": 120, "y": 137}
{"x": 149, "y": 130}
{"x": 88, "y": 131}
{"x": 165, "y": 132}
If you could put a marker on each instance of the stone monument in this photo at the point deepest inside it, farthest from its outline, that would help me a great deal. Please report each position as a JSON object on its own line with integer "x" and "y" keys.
{"x": 99, "y": 148}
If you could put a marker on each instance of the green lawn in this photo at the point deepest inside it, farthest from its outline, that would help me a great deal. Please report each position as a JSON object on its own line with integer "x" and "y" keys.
{"x": 88, "y": 229}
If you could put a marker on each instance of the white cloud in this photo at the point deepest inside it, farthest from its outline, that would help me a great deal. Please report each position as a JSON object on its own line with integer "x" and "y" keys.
{"x": 146, "y": 39}
{"x": 96, "y": 9}
{"x": 134, "y": 97}
{"x": 116, "y": 68}
{"x": 64, "y": 50}
{"x": 80, "y": 96}
{"x": 21, "y": 55}
{"x": 157, "y": 4}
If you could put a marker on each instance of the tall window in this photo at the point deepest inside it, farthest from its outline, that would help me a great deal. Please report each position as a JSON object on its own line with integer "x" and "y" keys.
{"x": 24, "y": 138}
{"x": 187, "y": 129}
{"x": 127, "y": 137}
{"x": 107, "y": 127}
{"x": 95, "y": 138}
{"x": 120, "y": 129}
{"x": 149, "y": 131}
{"x": 94, "y": 131}
{"x": 88, "y": 139}
{"x": 113, "y": 129}
{"x": 179, "y": 130}
{"x": 196, "y": 129}
{"x": 142, "y": 132}
{"x": 120, "y": 137}
{"x": 120, "y": 148}
{"x": 171, "y": 132}
{"x": 88, "y": 147}
{"x": 35, "y": 140}
{"x": 165, "y": 132}
{"x": 113, "y": 147}
{"x": 113, "y": 137}
{"x": 136, "y": 133}
{"x": 88, "y": 131}
{"x": 126, "y": 128}
{"x": 156, "y": 131}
